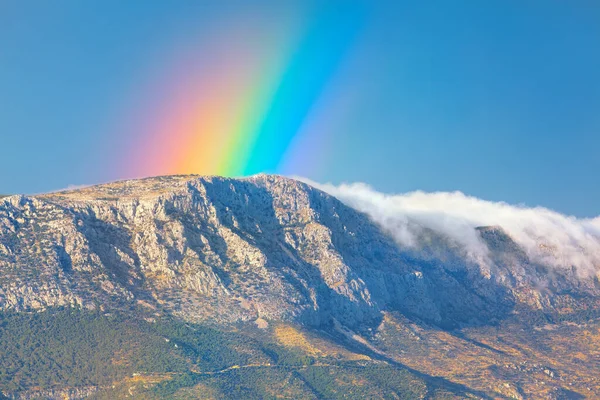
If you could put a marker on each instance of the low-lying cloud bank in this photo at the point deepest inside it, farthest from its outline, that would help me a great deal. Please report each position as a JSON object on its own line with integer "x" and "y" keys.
{"x": 547, "y": 237}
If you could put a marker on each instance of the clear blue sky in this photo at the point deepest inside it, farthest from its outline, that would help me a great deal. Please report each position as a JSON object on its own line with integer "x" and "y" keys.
{"x": 499, "y": 99}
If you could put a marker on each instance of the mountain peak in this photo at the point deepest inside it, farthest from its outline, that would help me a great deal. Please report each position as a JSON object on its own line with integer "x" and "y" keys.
{"x": 226, "y": 249}
{"x": 266, "y": 252}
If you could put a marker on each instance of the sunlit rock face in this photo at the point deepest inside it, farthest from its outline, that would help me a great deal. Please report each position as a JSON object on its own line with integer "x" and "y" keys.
{"x": 227, "y": 250}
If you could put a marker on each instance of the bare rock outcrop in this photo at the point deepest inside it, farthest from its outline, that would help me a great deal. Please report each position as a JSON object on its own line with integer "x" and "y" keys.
{"x": 227, "y": 250}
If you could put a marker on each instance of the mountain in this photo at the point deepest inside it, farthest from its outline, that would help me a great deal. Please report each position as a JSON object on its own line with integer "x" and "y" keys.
{"x": 218, "y": 286}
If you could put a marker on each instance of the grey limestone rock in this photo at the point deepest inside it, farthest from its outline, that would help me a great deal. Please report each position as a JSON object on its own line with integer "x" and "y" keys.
{"x": 229, "y": 250}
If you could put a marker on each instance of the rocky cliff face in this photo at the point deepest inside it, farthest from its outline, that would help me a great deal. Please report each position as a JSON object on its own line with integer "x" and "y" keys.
{"x": 262, "y": 248}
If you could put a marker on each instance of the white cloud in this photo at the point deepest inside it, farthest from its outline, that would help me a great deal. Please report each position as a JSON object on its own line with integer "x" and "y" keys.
{"x": 72, "y": 187}
{"x": 548, "y": 237}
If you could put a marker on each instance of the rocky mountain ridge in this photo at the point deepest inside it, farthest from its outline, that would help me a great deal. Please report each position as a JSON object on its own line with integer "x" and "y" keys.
{"x": 264, "y": 248}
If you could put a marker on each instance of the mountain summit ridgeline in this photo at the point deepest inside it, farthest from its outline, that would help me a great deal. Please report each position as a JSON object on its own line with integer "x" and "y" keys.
{"x": 268, "y": 251}
{"x": 265, "y": 247}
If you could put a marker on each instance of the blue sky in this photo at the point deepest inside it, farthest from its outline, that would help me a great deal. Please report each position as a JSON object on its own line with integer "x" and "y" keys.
{"x": 498, "y": 99}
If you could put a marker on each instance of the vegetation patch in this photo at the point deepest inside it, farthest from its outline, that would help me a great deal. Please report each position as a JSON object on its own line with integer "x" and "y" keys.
{"x": 115, "y": 356}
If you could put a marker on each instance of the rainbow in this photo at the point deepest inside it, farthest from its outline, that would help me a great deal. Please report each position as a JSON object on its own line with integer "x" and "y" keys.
{"x": 245, "y": 101}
